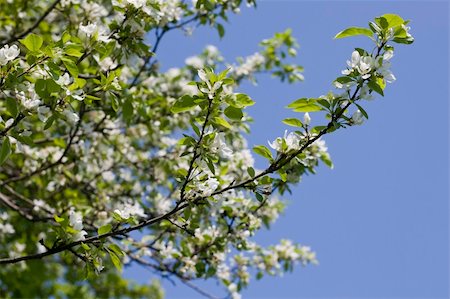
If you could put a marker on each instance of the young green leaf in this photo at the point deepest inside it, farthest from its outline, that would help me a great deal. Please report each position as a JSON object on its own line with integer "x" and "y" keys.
{"x": 104, "y": 229}
{"x": 293, "y": 122}
{"x": 220, "y": 121}
{"x": 32, "y": 42}
{"x": 185, "y": 103}
{"x": 12, "y": 106}
{"x": 375, "y": 87}
{"x": 304, "y": 105}
{"x": 5, "y": 150}
{"x": 233, "y": 113}
{"x": 263, "y": 151}
{"x": 352, "y": 31}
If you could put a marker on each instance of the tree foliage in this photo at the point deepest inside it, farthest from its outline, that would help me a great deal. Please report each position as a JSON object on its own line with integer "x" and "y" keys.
{"x": 107, "y": 161}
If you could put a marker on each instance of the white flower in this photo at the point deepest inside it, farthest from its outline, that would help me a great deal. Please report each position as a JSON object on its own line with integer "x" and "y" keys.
{"x": 220, "y": 146}
{"x": 195, "y": 62}
{"x": 250, "y": 65}
{"x": 292, "y": 141}
{"x": 39, "y": 204}
{"x": 106, "y": 64}
{"x": 79, "y": 235}
{"x": 11, "y": 52}
{"x": 89, "y": 29}
{"x": 383, "y": 68}
{"x": 388, "y": 55}
{"x": 212, "y": 50}
{"x": 365, "y": 93}
{"x": 64, "y": 80}
{"x": 127, "y": 210}
{"x": 136, "y": 3}
{"x": 357, "y": 117}
{"x": 211, "y": 89}
{"x": 72, "y": 117}
{"x": 306, "y": 119}
{"x": 163, "y": 205}
{"x": 6, "y": 228}
{"x": 363, "y": 64}
{"x": 276, "y": 144}
{"x": 202, "y": 75}
{"x": 9, "y": 122}
{"x": 354, "y": 62}
{"x": 42, "y": 112}
{"x": 208, "y": 186}
{"x": 8, "y": 53}
{"x": 29, "y": 103}
{"x": 76, "y": 220}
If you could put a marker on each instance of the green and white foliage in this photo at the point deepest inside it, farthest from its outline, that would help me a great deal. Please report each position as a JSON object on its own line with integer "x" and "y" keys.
{"x": 106, "y": 161}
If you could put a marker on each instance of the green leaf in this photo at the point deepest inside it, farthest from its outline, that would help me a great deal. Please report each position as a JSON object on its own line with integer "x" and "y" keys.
{"x": 115, "y": 103}
{"x": 220, "y": 121}
{"x": 74, "y": 50}
{"x": 325, "y": 157}
{"x": 283, "y": 175}
{"x": 12, "y": 106}
{"x": 293, "y": 122}
{"x": 5, "y": 150}
{"x": 115, "y": 260}
{"x": 233, "y": 113}
{"x": 32, "y": 42}
{"x": 58, "y": 219}
{"x": 185, "y": 103}
{"x": 251, "y": 171}
{"x": 71, "y": 67}
{"x": 116, "y": 249}
{"x": 393, "y": 20}
{"x": 375, "y": 87}
{"x": 220, "y": 29}
{"x": 263, "y": 151}
{"x": 362, "y": 111}
{"x": 304, "y": 105}
{"x": 127, "y": 110}
{"x": 344, "y": 79}
{"x": 382, "y": 22}
{"x": 104, "y": 229}
{"x": 243, "y": 100}
{"x": 259, "y": 197}
{"x": 50, "y": 121}
{"x": 352, "y": 31}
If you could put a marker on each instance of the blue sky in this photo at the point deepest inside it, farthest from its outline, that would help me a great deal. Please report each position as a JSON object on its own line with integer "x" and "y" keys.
{"x": 379, "y": 221}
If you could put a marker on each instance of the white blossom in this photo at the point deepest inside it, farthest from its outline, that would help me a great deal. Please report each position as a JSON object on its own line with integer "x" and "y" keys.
{"x": 208, "y": 186}
{"x": 357, "y": 117}
{"x": 220, "y": 146}
{"x": 127, "y": 210}
{"x": 71, "y": 116}
{"x": 42, "y": 113}
{"x": 64, "y": 80}
{"x": 195, "y": 62}
{"x": 76, "y": 220}
{"x": 292, "y": 141}
{"x": 8, "y": 53}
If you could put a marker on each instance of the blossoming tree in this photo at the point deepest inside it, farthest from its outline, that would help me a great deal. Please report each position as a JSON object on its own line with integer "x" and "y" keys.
{"x": 105, "y": 160}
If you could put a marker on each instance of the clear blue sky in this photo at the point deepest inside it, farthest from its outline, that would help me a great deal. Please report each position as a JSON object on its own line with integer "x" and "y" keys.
{"x": 379, "y": 221}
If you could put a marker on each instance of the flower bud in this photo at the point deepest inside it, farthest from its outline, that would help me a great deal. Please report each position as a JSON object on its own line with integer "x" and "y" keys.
{"x": 306, "y": 119}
